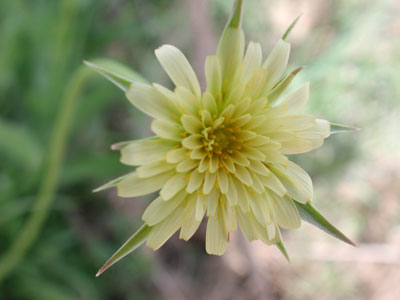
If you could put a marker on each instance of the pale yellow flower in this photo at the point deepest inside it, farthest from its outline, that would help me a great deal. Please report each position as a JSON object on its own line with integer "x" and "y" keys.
{"x": 220, "y": 154}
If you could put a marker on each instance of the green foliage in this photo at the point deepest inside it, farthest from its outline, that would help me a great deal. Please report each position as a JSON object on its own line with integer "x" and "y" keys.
{"x": 43, "y": 44}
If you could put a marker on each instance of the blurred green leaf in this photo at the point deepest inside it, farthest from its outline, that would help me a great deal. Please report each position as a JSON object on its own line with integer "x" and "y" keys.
{"x": 20, "y": 145}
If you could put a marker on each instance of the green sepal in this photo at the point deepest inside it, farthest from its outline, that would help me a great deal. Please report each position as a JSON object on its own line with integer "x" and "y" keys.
{"x": 287, "y": 32}
{"x": 110, "y": 184}
{"x": 235, "y": 21}
{"x": 117, "y": 73}
{"x": 282, "y": 248}
{"x": 274, "y": 94}
{"x": 336, "y": 128}
{"x": 309, "y": 214}
{"x": 138, "y": 238}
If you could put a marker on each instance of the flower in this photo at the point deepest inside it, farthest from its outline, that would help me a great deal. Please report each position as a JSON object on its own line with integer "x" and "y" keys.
{"x": 221, "y": 154}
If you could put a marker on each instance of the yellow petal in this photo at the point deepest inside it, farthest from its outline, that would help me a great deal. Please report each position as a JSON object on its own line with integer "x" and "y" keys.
{"x": 200, "y": 207}
{"x": 176, "y": 155}
{"x": 161, "y": 232}
{"x": 319, "y": 131}
{"x": 260, "y": 230}
{"x": 240, "y": 159}
{"x": 190, "y": 224}
{"x": 236, "y": 96}
{"x": 206, "y": 118}
{"x": 262, "y": 209}
{"x": 178, "y": 68}
{"x": 223, "y": 181}
{"x": 297, "y": 122}
{"x": 198, "y": 153}
{"x": 159, "y": 209}
{"x": 275, "y": 157}
{"x": 209, "y": 103}
{"x": 175, "y": 184}
{"x": 256, "y": 85}
{"x": 241, "y": 121}
{"x": 246, "y": 226}
{"x": 154, "y": 168}
{"x": 296, "y": 146}
{"x": 296, "y": 100}
{"x": 209, "y": 182}
{"x": 243, "y": 175}
{"x": 193, "y": 141}
{"x": 145, "y": 151}
{"x": 243, "y": 196}
{"x": 188, "y": 102}
{"x": 259, "y": 168}
{"x": 286, "y": 212}
{"x": 147, "y": 99}
{"x": 230, "y": 52}
{"x": 272, "y": 182}
{"x": 252, "y": 60}
{"x": 213, "y": 164}
{"x": 258, "y": 185}
{"x": 228, "y": 112}
{"x": 189, "y": 227}
{"x": 133, "y": 186}
{"x": 213, "y": 74}
{"x": 276, "y": 62}
{"x": 253, "y": 153}
{"x": 259, "y": 140}
{"x": 244, "y": 135}
{"x": 232, "y": 194}
{"x": 187, "y": 165}
{"x": 191, "y": 124}
{"x": 195, "y": 181}
{"x": 212, "y": 201}
{"x": 229, "y": 216}
{"x": 167, "y": 130}
{"x": 229, "y": 164}
{"x": 204, "y": 163}
{"x": 257, "y": 106}
{"x": 216, "y": 237}
{"x": 296, "y": 181}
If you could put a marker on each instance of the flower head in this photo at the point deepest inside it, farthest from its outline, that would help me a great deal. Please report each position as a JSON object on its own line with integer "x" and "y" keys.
{"x": 220, "y": 154}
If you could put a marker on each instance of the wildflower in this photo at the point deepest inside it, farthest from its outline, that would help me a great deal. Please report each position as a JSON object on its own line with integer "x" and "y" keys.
{"x": 221, "y": 154}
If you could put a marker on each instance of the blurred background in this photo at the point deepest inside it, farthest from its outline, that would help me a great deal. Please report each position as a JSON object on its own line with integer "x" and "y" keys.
{"x": 58, "y": 120}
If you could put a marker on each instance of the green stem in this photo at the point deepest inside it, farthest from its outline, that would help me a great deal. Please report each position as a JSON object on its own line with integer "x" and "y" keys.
{"x": 56, "y": 151}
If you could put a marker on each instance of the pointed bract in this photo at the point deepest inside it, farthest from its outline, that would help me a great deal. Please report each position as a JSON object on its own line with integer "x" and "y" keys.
{"x": 138, "y": 238}
{"x": 282, "y": 248}
{"x": 235, "y": 20}
{"x": 117, "y": 73}
{"x": 291, "y": 26}
{"x": 336, "y": 128}
{"x": 311, "y": 215}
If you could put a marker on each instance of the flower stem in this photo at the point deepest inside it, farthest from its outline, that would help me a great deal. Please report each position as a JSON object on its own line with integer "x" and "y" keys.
{"x": 56, "y": 151}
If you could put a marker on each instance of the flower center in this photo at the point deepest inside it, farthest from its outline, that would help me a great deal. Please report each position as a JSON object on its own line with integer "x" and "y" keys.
{"x": 221, "y": 140}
